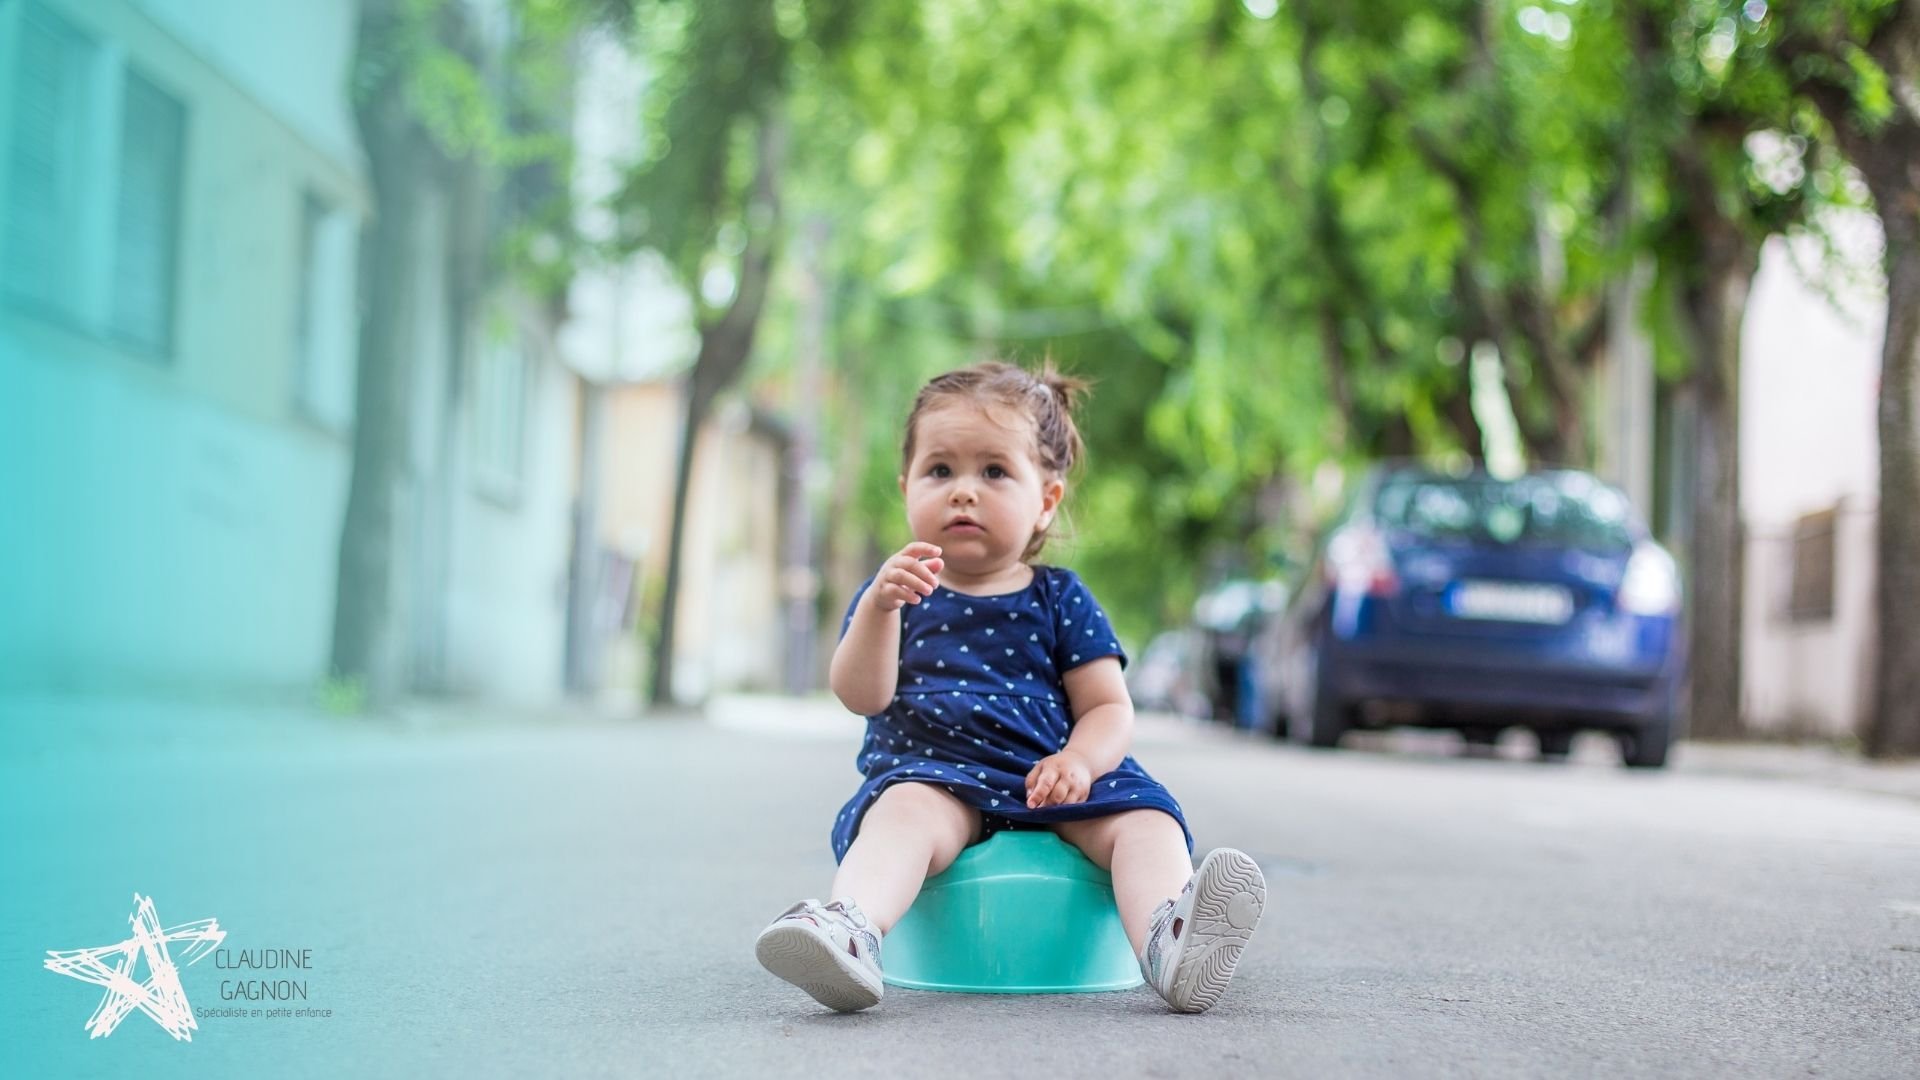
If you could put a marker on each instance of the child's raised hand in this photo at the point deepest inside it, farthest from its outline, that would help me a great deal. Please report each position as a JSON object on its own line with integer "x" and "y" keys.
{"x": 1058, "y": 779}
{"x": 908, "y": 576}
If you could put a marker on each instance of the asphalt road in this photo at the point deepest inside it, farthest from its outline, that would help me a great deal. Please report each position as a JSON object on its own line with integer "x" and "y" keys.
{"x": 559, "y": 897}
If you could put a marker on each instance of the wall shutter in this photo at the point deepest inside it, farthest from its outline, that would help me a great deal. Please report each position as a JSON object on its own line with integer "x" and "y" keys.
{"x": 147, "y": 222}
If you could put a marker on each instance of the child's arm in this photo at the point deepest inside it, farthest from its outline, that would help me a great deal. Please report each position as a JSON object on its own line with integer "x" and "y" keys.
{"x": 866, "y": 665}
{"x": 1102, "y": 735}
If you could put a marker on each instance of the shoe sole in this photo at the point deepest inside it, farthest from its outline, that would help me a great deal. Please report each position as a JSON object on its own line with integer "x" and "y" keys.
{"x": 813, "y": 963}
{"x": 1229, "y": 895}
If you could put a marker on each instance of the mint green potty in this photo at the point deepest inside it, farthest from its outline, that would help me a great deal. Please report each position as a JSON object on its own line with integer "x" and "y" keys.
{"x": 1023, "y": 913}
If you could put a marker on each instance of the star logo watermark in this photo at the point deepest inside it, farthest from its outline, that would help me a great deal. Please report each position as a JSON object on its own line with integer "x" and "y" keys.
{"x": 113, "y": 966}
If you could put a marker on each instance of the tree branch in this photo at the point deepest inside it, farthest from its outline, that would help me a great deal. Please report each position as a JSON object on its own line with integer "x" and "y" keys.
{"x": 726, "y": 343}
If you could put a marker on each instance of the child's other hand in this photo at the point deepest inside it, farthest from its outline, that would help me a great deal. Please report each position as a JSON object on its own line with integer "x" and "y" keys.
{"x": 905, "y": 578}
{"x": 1059, "y": 779}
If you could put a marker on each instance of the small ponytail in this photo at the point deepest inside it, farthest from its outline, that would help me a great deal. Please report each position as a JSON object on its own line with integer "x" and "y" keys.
{"x": 1054, "y": 422}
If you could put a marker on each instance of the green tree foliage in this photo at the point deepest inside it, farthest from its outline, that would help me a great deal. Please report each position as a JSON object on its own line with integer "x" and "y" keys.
{"x": 1272, "y": 240}
{"x": 1274, "y": 233}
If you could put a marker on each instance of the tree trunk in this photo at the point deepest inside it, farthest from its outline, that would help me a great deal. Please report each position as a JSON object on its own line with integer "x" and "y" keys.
{"x": 1485, "y": 321}
{"x": 1333, "y": 356}
{"x": 1457, "y": 407}
{"x": 1715, "y": 311}
{"x": 1724, "y": 258}
{"x": 1560, "y": 379}
{"x": 662, "y": 666}
{"x": 725, "y": 346}
{"x": 390, "y": 258}
{"x": 1893, "y": 729}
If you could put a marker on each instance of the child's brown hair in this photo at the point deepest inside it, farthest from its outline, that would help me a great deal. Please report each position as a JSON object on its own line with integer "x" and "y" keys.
{"x": 1047, "y": 397}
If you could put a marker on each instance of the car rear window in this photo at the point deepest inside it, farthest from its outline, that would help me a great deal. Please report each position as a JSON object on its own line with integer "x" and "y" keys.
{"x": 1569, "y": 509}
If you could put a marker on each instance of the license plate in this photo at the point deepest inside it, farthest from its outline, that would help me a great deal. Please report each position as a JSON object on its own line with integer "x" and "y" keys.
{"x": 1505, "y": 601}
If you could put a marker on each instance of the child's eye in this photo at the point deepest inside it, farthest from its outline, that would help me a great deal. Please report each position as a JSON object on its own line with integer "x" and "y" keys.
{"x": 995, "y": 472}
{"x": 940, "y": 470}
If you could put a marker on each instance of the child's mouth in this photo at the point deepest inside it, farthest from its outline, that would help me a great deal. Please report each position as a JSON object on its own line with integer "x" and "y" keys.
{"x": 965, "y": 527}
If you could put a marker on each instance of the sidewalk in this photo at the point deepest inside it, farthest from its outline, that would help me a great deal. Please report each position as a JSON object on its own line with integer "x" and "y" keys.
{"x": 1809, "y": 763}
{"x": 44, "y": 724}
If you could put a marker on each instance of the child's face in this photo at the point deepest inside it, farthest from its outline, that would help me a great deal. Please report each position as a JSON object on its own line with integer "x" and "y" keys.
{"x": 974, "y": 487}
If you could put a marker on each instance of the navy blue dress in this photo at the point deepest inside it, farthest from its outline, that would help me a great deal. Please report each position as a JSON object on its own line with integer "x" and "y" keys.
{"x": 980, "y": 700}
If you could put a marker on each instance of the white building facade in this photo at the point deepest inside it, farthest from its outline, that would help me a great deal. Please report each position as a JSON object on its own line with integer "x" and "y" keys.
{"x": 1809, "y": 460}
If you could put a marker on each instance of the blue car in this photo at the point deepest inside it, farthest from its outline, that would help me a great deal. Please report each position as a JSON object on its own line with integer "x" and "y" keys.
{"x": 1480, "y": 603}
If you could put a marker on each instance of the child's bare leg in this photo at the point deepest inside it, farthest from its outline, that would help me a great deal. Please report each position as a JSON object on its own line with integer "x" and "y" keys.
{"x": 912, "y": 832}
{"x": 1145, "y": 851}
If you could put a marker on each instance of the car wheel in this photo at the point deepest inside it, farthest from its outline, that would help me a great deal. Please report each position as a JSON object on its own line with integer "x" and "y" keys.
{"x": 1278, "y": 725}
{"x": 1555, "y": 742}
{"x": 1645, "y": 747}
{"x": 1324, "y": 719}
{"x": 1480, "y": 735}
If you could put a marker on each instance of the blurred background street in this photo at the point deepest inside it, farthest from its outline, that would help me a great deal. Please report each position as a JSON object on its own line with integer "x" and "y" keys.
{"x": 574, "y": 894}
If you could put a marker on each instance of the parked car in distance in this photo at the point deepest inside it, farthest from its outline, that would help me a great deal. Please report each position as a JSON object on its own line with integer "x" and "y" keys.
{"x": 1229, "y": 616}
{"x": 1168, "y": 677}
{"x": 1479, "y": 603}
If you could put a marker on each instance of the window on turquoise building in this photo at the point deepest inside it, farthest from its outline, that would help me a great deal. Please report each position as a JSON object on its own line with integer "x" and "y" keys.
{"x": 153, "y": 128}
{"x": 324, "y": 320}
{"x": 96, "y": 148}
{"x": 54, "y": 85}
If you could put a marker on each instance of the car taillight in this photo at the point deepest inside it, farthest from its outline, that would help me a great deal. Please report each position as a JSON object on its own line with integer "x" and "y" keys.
{"x": 1651, "y": 585}
{"x": 1358, "y": 560}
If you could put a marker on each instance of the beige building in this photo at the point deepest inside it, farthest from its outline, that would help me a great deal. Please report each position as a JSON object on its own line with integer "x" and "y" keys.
{"x": 728, "y": 635}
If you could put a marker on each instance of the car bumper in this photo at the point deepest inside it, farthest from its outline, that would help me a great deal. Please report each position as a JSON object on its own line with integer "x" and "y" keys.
{"x": 1451, "y": 689}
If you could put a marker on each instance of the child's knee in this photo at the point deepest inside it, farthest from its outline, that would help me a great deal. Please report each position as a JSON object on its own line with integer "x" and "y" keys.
{"x": 1134, "y": 826}
{"x": 1148, "y": 823}
{"x": 928, "y": 807}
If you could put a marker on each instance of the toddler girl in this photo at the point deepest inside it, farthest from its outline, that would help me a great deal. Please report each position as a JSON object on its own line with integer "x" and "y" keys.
{"x": 993, "y": 691}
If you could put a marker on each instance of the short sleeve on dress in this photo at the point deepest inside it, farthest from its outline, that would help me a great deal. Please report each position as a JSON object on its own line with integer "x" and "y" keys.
{"x": 1081, "y": 632}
